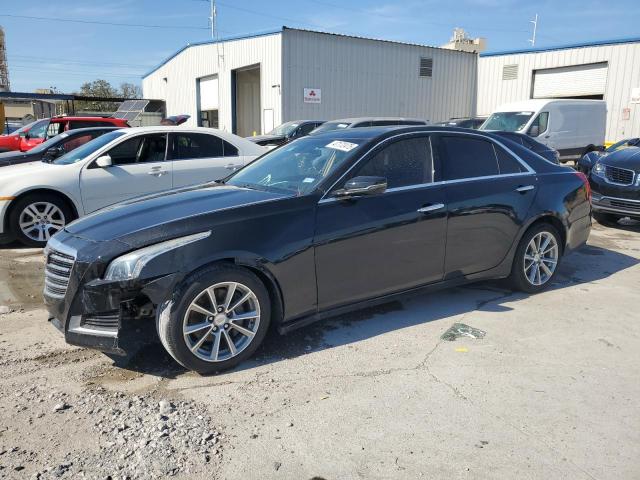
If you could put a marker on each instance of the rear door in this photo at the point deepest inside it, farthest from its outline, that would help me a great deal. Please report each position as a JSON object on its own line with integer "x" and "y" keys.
{"x": 488, "y": 194}
{"x": 201, "y": 157}
{"x": 139, "y": 168}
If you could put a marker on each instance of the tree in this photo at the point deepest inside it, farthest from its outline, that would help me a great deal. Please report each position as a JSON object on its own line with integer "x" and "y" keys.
{"x": 102, "y": 88}
{"x": 130, "y": 90}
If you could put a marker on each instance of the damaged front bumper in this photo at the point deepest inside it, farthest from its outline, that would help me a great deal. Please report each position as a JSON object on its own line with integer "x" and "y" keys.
{"x": 113, "y": 317}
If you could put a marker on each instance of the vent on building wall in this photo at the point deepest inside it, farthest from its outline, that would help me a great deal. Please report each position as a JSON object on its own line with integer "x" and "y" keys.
{"x": 510, "y": 72}
{"x": 426, "y": 67}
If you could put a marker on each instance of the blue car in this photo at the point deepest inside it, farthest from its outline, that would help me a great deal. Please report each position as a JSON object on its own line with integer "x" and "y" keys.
{"x": 586, "y": 163}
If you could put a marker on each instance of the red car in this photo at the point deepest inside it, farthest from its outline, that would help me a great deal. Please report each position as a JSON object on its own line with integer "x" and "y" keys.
{"x": 37, "y": 132}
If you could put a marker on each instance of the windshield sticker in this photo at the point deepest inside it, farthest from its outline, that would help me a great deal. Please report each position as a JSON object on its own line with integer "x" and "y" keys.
{"x": 525, "y": 113}
{"x": 342, "y": 125}
{"x": 342, "y": 146}
{"x": 308, "y": 180}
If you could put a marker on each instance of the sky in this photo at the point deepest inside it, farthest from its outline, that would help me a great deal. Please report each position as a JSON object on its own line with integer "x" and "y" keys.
{"x": 69, "y": 44}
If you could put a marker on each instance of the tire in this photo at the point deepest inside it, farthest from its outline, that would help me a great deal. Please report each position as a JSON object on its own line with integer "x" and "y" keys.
{"x": 195, "y": 351}
{"x": 58, "y": 214}
{"x": 525, "y": 261}
{"x": 608, "y": 219}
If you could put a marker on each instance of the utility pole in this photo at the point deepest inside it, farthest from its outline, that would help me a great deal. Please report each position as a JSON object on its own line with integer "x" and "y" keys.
{"x": 535, "y": 29}
{"x": 212, "y": 19}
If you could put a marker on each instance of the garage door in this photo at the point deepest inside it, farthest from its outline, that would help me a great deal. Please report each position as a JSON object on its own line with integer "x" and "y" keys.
{"x": 569, "y": 82}
{"x": 209, "y": 93}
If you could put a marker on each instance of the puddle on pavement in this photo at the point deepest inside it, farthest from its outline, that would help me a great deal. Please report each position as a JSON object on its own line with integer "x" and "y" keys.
{"x": 21, "y": 278}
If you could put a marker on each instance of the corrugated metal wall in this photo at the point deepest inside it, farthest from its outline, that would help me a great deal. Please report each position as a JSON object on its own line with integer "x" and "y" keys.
{"x": 181, "y": 73}
{"x": 360, "y": 77}
{"x": 623, "y": 75}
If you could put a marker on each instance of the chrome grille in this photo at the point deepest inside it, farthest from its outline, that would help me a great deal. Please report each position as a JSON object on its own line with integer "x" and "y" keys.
{"x": 627, "y": 205}
{"x": 109, "y": 320}
{"x": 57, "y": 273}
{"x": 618, "y": 175}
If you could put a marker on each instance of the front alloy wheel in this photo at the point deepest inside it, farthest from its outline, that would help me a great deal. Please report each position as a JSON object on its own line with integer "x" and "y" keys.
{"x": 35, "y": 218}
{"x": 215, "y": 319}
{"x": 221, "y": 321}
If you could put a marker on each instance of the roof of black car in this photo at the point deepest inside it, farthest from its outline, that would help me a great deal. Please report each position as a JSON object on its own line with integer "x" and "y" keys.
{"x": 375, "y": 132}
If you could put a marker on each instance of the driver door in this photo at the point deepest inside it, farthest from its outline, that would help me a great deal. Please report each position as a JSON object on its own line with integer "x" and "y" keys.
{"x": 139, "y": 168}
{"x": 384, "y": 243}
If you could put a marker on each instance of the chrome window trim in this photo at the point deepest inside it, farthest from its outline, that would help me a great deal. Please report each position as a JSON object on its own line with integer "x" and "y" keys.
{"x": 530, "y": 171}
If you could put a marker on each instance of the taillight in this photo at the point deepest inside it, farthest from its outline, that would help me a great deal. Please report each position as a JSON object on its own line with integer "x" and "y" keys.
{"x": 585, "y": 180}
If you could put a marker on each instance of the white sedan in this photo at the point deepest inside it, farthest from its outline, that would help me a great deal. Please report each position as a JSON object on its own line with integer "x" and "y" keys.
{"x": 39, "y": 199}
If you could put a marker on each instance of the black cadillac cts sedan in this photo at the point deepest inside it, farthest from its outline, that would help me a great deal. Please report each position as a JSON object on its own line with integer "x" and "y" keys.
{"x": 323, "y": 225}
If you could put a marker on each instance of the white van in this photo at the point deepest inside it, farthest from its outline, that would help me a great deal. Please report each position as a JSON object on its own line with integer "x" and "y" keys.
{"x": 572, "y": 127}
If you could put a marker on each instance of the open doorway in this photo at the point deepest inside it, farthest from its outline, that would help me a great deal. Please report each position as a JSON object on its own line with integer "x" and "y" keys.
{"x": 246, "y": 105}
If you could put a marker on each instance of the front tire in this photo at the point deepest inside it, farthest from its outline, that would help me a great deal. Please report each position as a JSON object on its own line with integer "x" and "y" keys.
{"x": 35, "y": 218}
{"x": 537, "y": 259}
{"x": 216, "y": 319}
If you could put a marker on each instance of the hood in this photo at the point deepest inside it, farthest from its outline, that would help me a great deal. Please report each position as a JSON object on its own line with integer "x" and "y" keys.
{"x": 626, "y": 158}
{"x": 24, "y": 170}
{"x": 165, "y": 215}
{"x": 14, "y": 158}
{"x": 265, "y": 139}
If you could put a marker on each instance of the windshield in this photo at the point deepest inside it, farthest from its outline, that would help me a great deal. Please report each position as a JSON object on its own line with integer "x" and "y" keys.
{"x": 44, "y": 146}
{"x": 507, "y": 121}
{"x": 87, "y": 149}
{"x": 297, "y": 167}
{"x": 22, "y": 129}
{"x": 284, "y": 129}
{"x": 630, "y": 142}
{"x": 329, "y": 126}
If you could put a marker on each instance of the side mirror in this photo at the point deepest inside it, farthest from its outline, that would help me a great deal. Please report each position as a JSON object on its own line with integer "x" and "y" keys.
{"x": 534, "y": 130}
{"x": 54, "y": 152}
{"x": 104, "y": 161}
{"x": 360, "y": 186}
{"x": 24, "y": 135}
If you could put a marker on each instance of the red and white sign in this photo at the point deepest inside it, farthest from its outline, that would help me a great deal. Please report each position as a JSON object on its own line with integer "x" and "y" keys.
{"x": 312, "y": 95}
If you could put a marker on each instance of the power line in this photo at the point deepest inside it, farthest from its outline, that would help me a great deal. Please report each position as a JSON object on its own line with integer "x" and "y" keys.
{"x": 67, "y": 72}
{"x": 76, "y": 62}
{"x": 113, "y": 24}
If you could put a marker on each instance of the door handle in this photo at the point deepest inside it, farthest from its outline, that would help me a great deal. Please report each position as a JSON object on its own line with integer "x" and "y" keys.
{"x": 525, "y": 188}
{"x": 431, "y": 208}
{"x": 231, "y": 166}
{"x": 158, "y": 173}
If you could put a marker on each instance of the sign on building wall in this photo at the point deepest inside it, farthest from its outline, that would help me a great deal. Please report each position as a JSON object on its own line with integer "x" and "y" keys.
{"x": 635, "y": 95}
{"x": 312, "y": 95}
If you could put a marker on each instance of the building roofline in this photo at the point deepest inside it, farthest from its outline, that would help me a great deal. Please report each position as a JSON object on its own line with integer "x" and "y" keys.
{"x": 212, "y": 42}
{"x": 615, "y": 41}
{"x": 281, "y": 30}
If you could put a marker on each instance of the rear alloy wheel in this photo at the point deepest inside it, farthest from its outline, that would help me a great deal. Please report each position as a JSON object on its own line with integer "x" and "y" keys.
{"x": 537, "y": 259}
{"x": 35, "y": 219}
{"x": 219, "y": 318}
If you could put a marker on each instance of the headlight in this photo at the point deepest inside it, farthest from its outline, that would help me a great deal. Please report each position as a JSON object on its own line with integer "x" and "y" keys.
{"x": 130, "y": 265}
{"x": 599, "y": 170}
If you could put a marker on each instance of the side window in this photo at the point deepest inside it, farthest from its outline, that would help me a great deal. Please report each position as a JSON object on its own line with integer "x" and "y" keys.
{"x": 403, "y": 163}
{"x": 53, "y": 129}
{"x": 146, "y": 148}
{"x": 86, "y": 124}
{"x": 540, "y": 124}
{"x": 195, "y": 145}
{"x": 506, "y": 162}
{"x": 466, "y": 157}
{"x": 76, "y": 141}
{"x": 361, "y": 124}
{"x": 229, "y": 150}
{"x": 306, "y": 129}
{"x": 380, "y": 123}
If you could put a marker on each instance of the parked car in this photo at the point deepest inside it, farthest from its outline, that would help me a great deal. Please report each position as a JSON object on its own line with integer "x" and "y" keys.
{"x": 286, "y": 132}
{"x": 540, "y": 148}
{"x": 572, "y": 127}
{"x": 54, "y": 147}
{"x": 10, "y": 127}
{"x": 615, "y": 182}
{"x": 37, "y": 200}
{"x": 465, "y": 122}
{"x": 326, "y": 224}
{"x": 587, "y": 161}
{"x": 27, "y": 137}
{"x": 366, "y": 122}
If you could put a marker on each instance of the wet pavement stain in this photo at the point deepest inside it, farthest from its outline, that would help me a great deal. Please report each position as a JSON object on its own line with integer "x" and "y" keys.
{"x": 21, "y": 278}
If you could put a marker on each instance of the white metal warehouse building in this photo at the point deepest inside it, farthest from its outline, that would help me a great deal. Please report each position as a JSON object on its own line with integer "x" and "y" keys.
{"x": 253, "y": 83}
{"x": 608, "y": 70}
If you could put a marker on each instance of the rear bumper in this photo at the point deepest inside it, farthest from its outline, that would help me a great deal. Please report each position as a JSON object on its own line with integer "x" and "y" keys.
{"x": 578, "y": 233}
